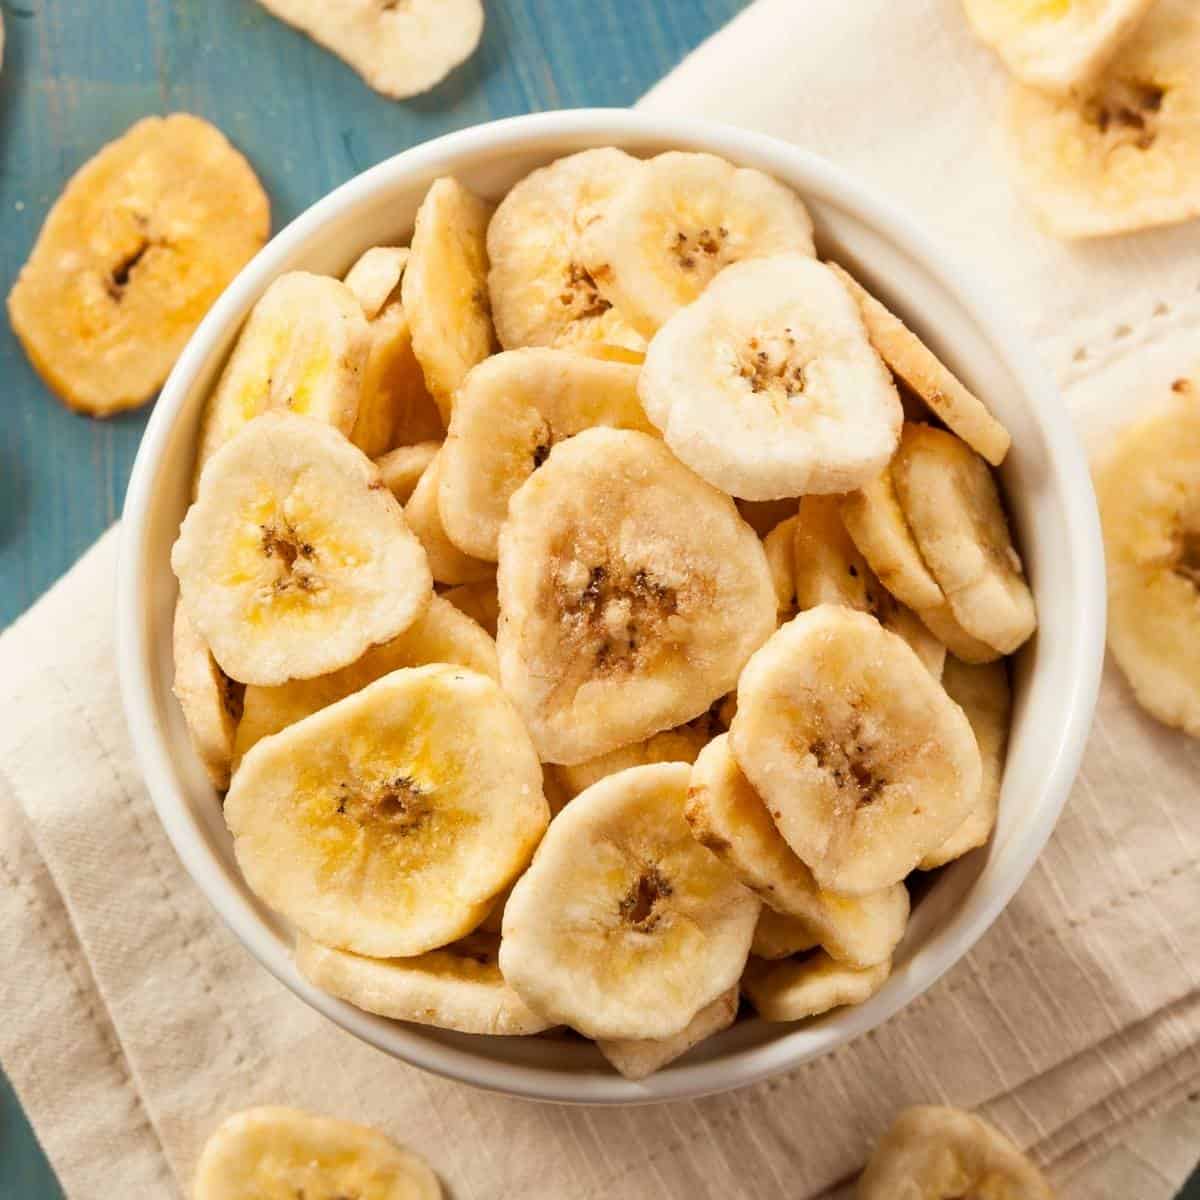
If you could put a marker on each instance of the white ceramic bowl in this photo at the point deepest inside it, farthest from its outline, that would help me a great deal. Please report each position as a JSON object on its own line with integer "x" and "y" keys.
{"x": 1047, "y": 486}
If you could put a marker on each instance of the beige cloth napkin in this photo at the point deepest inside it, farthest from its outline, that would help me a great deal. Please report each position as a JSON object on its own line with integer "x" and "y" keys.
{"x": 133, "y": 1021}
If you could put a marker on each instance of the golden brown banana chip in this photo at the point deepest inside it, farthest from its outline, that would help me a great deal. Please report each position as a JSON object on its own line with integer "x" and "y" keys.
{"x": 144, "y": 238}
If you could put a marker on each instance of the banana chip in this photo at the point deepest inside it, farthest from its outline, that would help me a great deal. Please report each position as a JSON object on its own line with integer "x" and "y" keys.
{"x": 479, "y": 601}
{"x": 779, "y": 936}
{"x": 401, "y": 469}
{"x": 796, "y": 988}
{"x": 144, "y": 238}
{"x": 447, "y": 562}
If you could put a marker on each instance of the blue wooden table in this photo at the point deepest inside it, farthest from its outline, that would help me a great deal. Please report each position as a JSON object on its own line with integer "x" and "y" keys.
{"x": 78, "y": 72}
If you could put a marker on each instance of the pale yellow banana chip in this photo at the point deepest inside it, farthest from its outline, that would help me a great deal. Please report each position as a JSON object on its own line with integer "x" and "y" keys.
{"x": 479, "y": 601}
{"x": 284, "y": 1154}
{"x": 144, "y": 238}
{"x": 941, "y": 623}
{"x": 793, "y": 989}
{"x": 400, "y": 47}
{"x": 375, "y": 277}
{"x": 401, "y": 469}
{"x": 936, "y": 1152}
{"x": 447, "y": 562}
{"x": 386, "y": 823}
{"x": 779, "y": 936}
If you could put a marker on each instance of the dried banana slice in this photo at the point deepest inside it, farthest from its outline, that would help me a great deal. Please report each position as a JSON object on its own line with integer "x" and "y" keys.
{"x": 479, "y": 601}
{"x": 441, "y": 634}
{"x": 283, "y": 1153}
{"x": 1122, "y": 152}
{"x": 1055, "y": 45}
{"x": 625, "y": 926}
{"x": 458, "y": 986}
{"x": 780, "y": 548}
{"x": 447, "y": 562}
{"x": 509, "y": 413}
{"x": 764, "y": 515}
{"x": 210, "y": 700}
{"x": 982, "y": 693}
{"x": 144, "y": 238}
{"x": 637, "y": 1058}
{"x": 796, "y": 988}
{"x": 631, "y": 593}
{"x": 933, "y": 1151}
{"x": 914, "y": 363}
{"x": 444, "y": 289}
{"x": 953, "y": 506}
{"x": 1149, "y": 492}
{"x": 399, "y": 49}
{"x": 727, "y": 815}
{"x": 295, "y": 558}
{"x": 302, "y": 350}
{"x": 401, "y": 469}
{"x": 679, "y": 220}
{"x": 375, "y": 276}
{"x": 863, "y": 761}
{"x": 779, "y": 936}
{"x": 386, "y": 823}
{"x": 542, "y": 294}
{"x": 767, "y": 386}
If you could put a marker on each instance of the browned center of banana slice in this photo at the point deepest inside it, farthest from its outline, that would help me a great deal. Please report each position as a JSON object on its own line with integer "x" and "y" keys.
{"x": 1126, "y": 111}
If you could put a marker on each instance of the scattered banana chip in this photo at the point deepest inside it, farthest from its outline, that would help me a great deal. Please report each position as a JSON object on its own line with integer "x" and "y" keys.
{"x": 286, "y": 1153}
{"x": 631, "y": 595}
{"x": 444, "y": 289}
{"x": 399, "y": 48}
{"x": 386, "y": 823}
{"x": 636, "y": 1058}
{"x": 952, "y": 504}
{"x": 796, "y": 988}
{"x": 1149, "y": 493}
{"x": 401, "y": 469}
{"x": 1055, "y": 45}
{"x": 509, "y": 413}
{"x": 441, "y": 634}
{"x": 864, "y": 763}
{"x": 625, "y": 926}
{"x": 982, "y": 693}
{"x": 295, "y": 558}
{"x": 767, "y": 386}
{"x": 933, "y": 1151}
{"x": 1121, "y": 152}
{"x": 210, "y": 700}
{"x": 144, "y": 238}
{"x": 676, "y": 222}
{"x": 446, "y": 561}
{"x": 479, "y": 601}
{"x": 779, "y": 936}
{"x": 458, "y": 986}
{"x": 542, "y": 294}
{"x": 727, "y": 815}
{"x": 302, "y": 349}
{"x": 913, "y": 362}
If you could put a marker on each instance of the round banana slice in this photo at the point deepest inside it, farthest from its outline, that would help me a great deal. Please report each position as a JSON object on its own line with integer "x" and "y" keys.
{"x": 479, "y": 601}
{"x": 625, "y": 926}
{"x": 399, "y": 49}
{"x": 210, "y": 700}
{"x": 458, "y": 986}
{"x": 953, "y": 506}
{"x": 637, "y": 1058}
{"x": 509, "y": 413}
{"x": 767, "y": 386}
{"x": 441, "y": 634}
{"x": 727, "y": 815}
{"x": 401, "y": 469}
{"x": 679, "y": 220}
{"x": 863, "y": 761}
{"x": 1121, "y": 152}
{"x": 764, "y": 515}
{"x": 982, "y": 693}
{"x": 779, "y": 936}
{"x": 631, "y": 595}
{"x": 933, "y": 1151}
{"x": 1149, "y": 493}
{"x": 284, "y": 1154}
{"x": 444, "y": 288}
{"x": 447, "y": 562}
{"x": 941, "y": 623}
{"x": 873, "y": 518}
{"x": 796, "y": 988}
{"x": 375, "y": 276}
{"x": 941, "y": 390}
{"x": 295, "y": 558}
{"x": 302, "y": 349}
{"x": 1055, "y": 45}
{"x": 146, "y": 235}
{"x": 386, "y": 823}
{"x": 542, "y": 294}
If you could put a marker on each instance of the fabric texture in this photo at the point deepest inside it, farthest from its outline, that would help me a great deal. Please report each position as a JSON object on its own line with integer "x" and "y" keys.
{"x": 134, "y": 1021}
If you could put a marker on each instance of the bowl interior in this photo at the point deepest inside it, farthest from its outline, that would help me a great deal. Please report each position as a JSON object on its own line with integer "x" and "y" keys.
{"x": 1047, "y": 491}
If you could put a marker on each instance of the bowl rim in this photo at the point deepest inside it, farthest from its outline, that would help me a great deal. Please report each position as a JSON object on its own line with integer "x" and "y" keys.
{"x": 596, "y": 126}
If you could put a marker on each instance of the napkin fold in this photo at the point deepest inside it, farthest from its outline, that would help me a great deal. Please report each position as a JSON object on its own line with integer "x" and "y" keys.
{"x": 134, "y": 1022}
